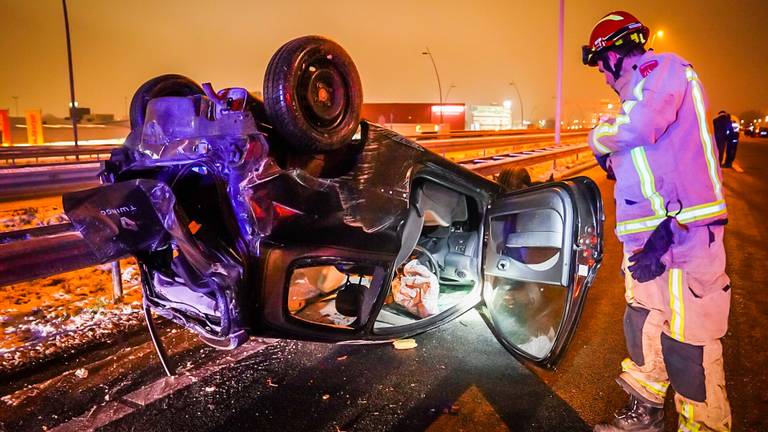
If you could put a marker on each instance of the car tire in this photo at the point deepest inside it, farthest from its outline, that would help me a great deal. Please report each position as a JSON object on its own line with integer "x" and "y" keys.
{"x": 512, "y": 179}
{"x": 161, "y": 86}
{"x": 313, "y": 95}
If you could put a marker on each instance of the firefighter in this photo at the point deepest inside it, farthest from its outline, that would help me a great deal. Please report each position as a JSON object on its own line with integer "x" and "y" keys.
{"x": 671, "y": 216}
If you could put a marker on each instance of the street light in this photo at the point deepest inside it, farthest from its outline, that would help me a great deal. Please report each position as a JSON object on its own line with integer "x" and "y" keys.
{"x": 520, "y": 99}
{"x": 73, "y": 103}
{"x": 447, "y": 92}
{"x": 439, "y": 86}
{"x": 559, "y": 86}
{"x": 659, "y": 33}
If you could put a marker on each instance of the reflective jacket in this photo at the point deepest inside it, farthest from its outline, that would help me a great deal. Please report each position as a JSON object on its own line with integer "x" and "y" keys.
{"x": 661, "y": 149}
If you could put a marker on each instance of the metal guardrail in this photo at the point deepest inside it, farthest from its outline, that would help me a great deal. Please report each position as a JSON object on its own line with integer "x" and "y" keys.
{"x": 43, "y": 256}
{"x": 477, "y": 133}
{"x": 21, "y": 156}
{"x": 45, "y": 180}
{"x": 445, "y": 146}
{"x": 56, "y": 249}
{"x": 493, "y": 164}
{"x": 20, "y": 183}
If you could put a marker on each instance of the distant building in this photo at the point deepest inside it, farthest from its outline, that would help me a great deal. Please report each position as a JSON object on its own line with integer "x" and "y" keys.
{"x": 98, "y": 118}
{"x": 84, "y": 115}
{"x": 410, "y": 118}
{"x": 78, "y": 113}
{"x": 489, "y": 117}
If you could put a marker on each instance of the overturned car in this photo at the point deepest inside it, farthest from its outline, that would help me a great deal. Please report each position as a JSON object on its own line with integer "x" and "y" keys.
{"x": 290, "y": 217}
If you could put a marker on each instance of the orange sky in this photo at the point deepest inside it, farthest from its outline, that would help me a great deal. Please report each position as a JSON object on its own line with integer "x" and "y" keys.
{"x": 480, "y": 46}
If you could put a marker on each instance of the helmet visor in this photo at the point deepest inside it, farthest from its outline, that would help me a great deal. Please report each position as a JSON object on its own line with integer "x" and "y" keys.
{"x": 588, "y": 56}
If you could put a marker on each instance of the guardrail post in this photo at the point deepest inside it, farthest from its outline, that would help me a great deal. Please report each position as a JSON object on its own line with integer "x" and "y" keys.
{"x": 117, "y": 283}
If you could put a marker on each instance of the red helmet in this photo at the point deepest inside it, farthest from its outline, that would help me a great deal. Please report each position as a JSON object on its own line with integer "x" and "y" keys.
{"x": 614, "y": 29}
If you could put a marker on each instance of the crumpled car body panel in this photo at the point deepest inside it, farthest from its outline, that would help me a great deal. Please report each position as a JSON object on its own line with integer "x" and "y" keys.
{"x": 219, "y": 191}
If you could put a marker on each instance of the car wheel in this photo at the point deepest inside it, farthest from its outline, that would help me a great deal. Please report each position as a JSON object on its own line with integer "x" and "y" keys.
{"x": 512, "y": 179}
{"x": 313, "y": 94}
{"x": 163, "y": 85}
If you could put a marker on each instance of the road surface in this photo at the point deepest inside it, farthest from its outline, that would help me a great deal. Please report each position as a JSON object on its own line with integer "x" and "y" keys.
{"x": 458, "y": 378}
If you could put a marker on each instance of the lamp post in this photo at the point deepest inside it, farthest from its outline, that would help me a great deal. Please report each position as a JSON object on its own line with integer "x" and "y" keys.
{"x": 439, "y": 86}
{"x": 659, "y": 33}
{"x": 447, "y": 92}
{"x": 73, "y": 104}
{"x": 559, "y": 87}
{"x": 16, "y": 105}
{"x": 520, "y": 100}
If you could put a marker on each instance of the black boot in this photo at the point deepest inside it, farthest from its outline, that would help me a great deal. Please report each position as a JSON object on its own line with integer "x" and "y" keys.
{"x": 637, "y": 416}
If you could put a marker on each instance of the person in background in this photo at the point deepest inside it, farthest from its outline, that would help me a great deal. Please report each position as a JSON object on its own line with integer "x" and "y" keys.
{"x": 671, "y": 216}
{"x": 727, "y": 139}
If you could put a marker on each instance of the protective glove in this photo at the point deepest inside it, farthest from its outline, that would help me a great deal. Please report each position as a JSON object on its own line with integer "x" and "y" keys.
{"x": 602, "y": 160}
{"x": 647, "y": 264}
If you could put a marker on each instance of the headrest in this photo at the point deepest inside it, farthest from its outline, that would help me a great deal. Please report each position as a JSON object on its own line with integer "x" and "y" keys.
{"x": 441, "y": 206}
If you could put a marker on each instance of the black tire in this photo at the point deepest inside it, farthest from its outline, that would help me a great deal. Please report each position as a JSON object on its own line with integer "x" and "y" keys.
{"x": 313, "y": 95}
{"x": 512, "y": 179}
{"x": 163, "y": 85}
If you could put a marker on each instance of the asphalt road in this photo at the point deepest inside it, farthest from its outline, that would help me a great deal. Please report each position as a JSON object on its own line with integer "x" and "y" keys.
{"x": 585, "y": 378}
{"x": 458, "y": 378}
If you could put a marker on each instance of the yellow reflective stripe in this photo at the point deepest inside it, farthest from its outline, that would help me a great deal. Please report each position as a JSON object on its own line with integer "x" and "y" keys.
{"x": 607, "y": 129}
{"x": 705, "y": 205}
{"x": 628, "y": 284}
{"x": 689, "y": 215}
{"x": 611, "y": 18}
{"x": 686, "y": 423}
{"x": 706, "y": 137}
{"x": 638, "y": 90}
{"x": 643, "y": 219}
{"x": 638, "y": 225}
{"x": 658, "y": 388}
{"x": 650, "y": 387}
{"x": 676, "y": 326}
{"x": 596, "y": 144}
{"x": 608, "y": 18}
{"x": 686, "y": 215}
{"x": 647, "y": 182}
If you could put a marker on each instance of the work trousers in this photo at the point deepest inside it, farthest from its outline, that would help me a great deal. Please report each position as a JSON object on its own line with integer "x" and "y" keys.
{"x": 673, "y": 325}
{"x": 730, "y": 153}
{"x": 726, "y": 151}
{"x": 720, "y": 149}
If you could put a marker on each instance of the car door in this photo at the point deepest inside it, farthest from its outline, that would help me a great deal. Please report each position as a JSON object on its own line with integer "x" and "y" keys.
{"x": 542, "y": 248}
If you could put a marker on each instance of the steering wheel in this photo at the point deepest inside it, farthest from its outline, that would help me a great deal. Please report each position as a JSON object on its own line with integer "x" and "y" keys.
{"x": 432, "y": 261}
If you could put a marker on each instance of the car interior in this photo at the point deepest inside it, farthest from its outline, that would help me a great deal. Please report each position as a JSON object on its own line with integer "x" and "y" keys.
{"x": 441, "y": 233}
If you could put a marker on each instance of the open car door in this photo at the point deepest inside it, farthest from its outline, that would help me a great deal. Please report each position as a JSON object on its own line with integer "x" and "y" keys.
{"x": 542, "y": 249}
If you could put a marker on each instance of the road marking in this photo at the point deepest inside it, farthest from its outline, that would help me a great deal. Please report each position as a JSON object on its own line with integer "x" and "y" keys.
{"x": 100, "y": 416}
{"x": 472, "y": 412}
